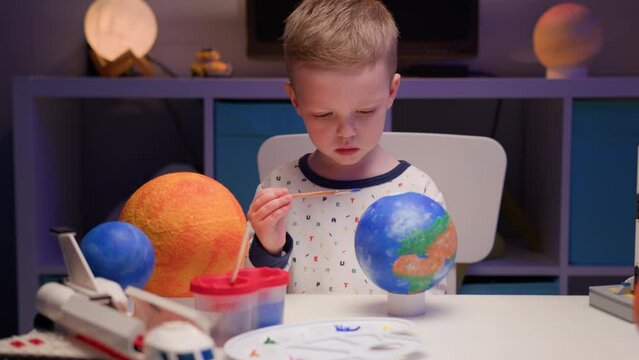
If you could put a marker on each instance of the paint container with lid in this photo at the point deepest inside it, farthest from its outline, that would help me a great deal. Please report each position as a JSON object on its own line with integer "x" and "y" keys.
{"x": 229, "y": 307}
{"x": 270, "y": 299}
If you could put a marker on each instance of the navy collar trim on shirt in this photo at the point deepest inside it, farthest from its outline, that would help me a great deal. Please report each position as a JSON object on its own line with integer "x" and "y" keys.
{"x": 350, "y": 184}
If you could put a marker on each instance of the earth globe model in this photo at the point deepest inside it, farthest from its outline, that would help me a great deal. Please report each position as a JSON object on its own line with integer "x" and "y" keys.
{"x": 406, "y": 244}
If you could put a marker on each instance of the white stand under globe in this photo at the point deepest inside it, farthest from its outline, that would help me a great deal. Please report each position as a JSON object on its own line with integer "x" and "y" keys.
{"x": 567, "y": 72}
{"x": 406, "y": 304}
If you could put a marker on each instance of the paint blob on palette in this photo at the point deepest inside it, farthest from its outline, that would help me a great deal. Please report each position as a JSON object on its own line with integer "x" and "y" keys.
{"x": 366, "y": 338}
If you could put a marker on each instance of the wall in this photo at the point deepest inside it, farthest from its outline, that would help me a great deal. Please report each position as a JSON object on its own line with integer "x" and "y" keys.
{"x": 505, "y": 33}
{"x": 41, "y": 37}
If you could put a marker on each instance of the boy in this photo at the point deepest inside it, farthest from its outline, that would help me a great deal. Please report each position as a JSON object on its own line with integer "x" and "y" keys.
{"x": 341, "y": 57}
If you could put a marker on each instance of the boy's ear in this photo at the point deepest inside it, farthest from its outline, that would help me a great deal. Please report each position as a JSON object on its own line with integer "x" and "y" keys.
{"x": 394, "y": 86}
{"x": 291, "y": 94}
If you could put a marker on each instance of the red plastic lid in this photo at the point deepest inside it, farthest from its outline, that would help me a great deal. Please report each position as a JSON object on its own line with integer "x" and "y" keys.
{"x": 267, "y": 276}
{"x": 221, "y": 285}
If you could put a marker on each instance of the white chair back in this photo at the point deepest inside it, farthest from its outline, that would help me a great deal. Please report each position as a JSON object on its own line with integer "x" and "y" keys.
{"x": 468, "y": 170}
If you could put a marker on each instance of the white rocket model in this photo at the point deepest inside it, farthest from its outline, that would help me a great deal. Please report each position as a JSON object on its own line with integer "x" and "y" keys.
{"x": 93, "y": 317}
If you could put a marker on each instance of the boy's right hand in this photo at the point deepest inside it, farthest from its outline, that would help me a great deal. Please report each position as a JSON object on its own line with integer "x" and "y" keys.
{"x": 267, "y": 215}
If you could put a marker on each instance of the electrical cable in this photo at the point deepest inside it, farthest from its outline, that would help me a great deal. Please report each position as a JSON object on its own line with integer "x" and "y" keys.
{"x": 176, "y": 117}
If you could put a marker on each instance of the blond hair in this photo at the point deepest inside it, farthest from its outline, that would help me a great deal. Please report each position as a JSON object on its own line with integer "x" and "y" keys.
{"x": 342, "y": 34}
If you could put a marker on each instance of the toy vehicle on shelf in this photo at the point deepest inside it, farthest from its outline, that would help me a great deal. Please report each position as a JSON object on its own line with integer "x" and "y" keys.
{"x": 208, "y": 62}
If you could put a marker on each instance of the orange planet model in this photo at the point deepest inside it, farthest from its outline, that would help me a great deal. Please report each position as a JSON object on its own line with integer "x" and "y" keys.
{"x": 195, "y": 225}
{"x": 565, "y": 38}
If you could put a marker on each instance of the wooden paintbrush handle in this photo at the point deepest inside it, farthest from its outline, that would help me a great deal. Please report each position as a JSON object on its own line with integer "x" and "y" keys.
{"x": 315, "y": 194}
{"x": 248, "y": 231}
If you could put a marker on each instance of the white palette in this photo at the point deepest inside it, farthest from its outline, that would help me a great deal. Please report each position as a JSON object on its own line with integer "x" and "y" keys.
{"x": 353, "y": 338}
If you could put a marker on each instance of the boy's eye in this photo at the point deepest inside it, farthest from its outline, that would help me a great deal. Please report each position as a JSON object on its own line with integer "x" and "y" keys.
{"x": 365, "y": 112}
{"x": 322, "y": 115}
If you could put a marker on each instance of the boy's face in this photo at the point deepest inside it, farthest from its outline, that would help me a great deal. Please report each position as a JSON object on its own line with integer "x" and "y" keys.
{"x": 344, "y": 111}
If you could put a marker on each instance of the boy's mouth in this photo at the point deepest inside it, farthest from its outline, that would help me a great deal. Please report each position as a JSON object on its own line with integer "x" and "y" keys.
{"x": 347, "y": 151}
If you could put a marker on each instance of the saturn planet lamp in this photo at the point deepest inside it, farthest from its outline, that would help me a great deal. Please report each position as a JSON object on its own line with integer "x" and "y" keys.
{"x": 565, "y": 39}
{"x": 406, "y": 244}
{"x": 120, "y": 34}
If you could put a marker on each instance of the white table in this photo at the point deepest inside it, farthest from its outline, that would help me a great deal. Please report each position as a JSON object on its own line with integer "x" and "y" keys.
{"x": 491, "y": 326}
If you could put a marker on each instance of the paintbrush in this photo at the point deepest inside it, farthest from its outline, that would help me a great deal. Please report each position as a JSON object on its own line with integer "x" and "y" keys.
{"x": 313, "y": 194}
{"x": 248, "y": 231}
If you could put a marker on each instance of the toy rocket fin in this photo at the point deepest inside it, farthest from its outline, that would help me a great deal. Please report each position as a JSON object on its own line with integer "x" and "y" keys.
{"x": 78, "y": 269}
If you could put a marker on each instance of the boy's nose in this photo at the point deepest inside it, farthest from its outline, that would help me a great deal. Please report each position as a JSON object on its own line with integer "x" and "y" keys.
{"x": 346, "y": 128}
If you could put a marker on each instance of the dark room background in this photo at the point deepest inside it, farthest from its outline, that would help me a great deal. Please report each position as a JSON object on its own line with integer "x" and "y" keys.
{"x": 44, "y": 37}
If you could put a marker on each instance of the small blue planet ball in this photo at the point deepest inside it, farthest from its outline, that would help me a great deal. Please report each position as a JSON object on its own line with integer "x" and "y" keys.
{"x": 120, "y": 252}
{"x": 405, "y": 243}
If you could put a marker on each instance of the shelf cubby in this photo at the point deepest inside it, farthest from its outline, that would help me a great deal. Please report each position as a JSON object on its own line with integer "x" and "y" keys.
{"x": 58, "y": 179}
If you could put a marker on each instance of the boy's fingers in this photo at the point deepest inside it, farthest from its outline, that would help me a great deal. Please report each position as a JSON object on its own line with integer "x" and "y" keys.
{"x": 264, "y": 196}
{"x": 271, "y": 192}
{"x": 275, "y": 216}
{"x": 270, "y": 207}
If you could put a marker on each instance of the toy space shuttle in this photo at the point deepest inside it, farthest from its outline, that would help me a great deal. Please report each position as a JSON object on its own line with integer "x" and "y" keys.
{"x": 88, "y": 316}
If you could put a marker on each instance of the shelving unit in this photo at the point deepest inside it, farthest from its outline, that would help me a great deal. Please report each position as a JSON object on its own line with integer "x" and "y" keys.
{"x": 48, "y": 119}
